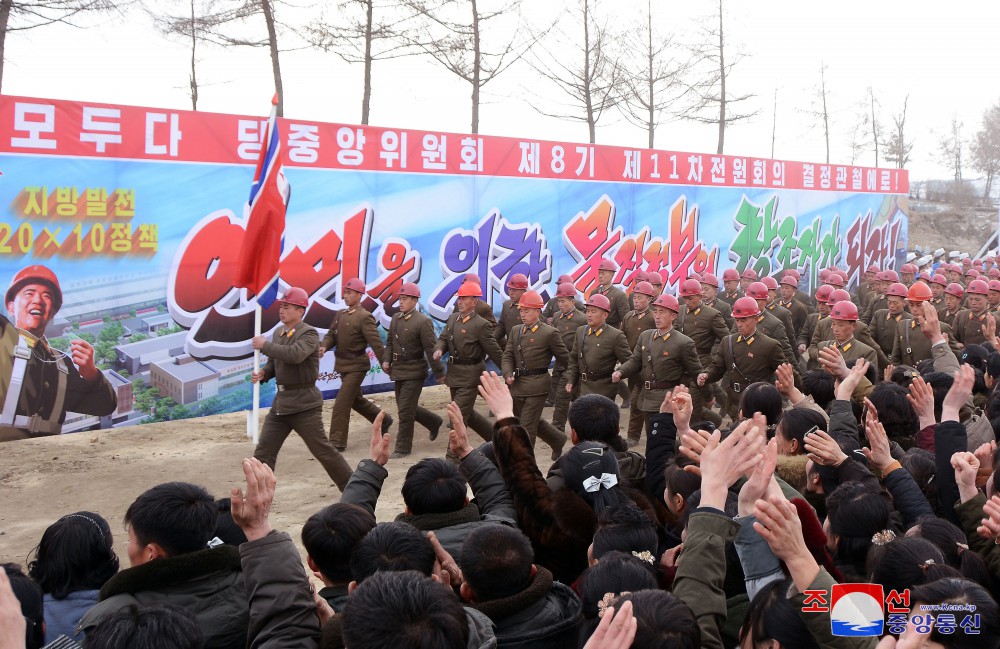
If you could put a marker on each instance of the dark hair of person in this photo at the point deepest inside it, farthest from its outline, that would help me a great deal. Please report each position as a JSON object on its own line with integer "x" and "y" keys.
{"x": 393, "y": 547}
{"x": 979, "y": 383}
{"x": 974, "y": 355}
{"x": 75, "y": 553}
{"x": 178, "y": 516}
{"x": 903, "y": 375}
{"x": 663, "y": 621}
{"x": 588, "y": 460}
{"x": 856, "y": 514}
{"x": 961, "y": 591}
{"x": 496, "y": 561}
{"x": 404, "y": 610}
{"x": 596, "y": 418}
{"x": 331, "y": 534}
{"x": 771, "y": 616}
{"x": 226, "y": 529}
{"x": 625, "y": 528}
{"x": 993, "y": 366}
{"x": 615, "y": 573}
{"x": 953, "y": 544}
{"x": 940, "y": 382}
{"x": 434, "y": 486}
{"x": 764, "y": 398}
{"x": 820, "y": 385}
{"x": 894, "y": 410}
{"x": 906, "y": 562}
{"x": 29, "y": 594}
{"x": 922, "y": 466}
{"x": 796, "y": 422}
{"x": 680, "y": 482}
{"x": 159, "y": 626}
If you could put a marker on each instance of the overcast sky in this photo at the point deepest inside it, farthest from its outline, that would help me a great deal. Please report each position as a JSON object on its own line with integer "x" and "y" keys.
{"x": 943, "y": 55}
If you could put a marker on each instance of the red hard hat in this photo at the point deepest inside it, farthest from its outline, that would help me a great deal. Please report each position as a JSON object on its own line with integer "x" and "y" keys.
{"x": 667, "y": 301}
{"x": 530, "y": 300}
{"x": 645, "y": 288}
{"x": 654, "y": 278}
{"x": 838, "y": 295}
{"x": 758, "y": 291}
{"x": 880, "y": 276}
{"x": 967, "y": 262}
{"x": 566, "y": 289}
{"x": 749, "y": 273}
{"x": 745, "y": 307}
{"x": 823, "y": 293}
{"x": 972, "y": 272}
{"x": 890, "y": 276}
{"x": 994, "y": 272}
{"x": 823, "y": 274}
{"x": 297, "y": 296}
{"x": 599, "y": 301}
{"x": 791, "y": 272}
{"x": 694, "y": 275}
{"x": 470, "y": 289}
{"x": 730, "y": 274}
{"x": 770, "y": 283}
{"x": 36, "y": 274}
{"x": 919, "y": 292}
{"x": 909, "y": 268}
{"x": 844, "y": 310}
{"x": 607, "y": 264}
{"x": 978, "y": 287}
{"x": 896, "y": 290}
{"x": 994, "y": 285}
{"x": 354, "y": 284}
{"x": 836, "y": 280}
{"x": 564, "y": 278}
{"x": 517, "y": 280}
{"x": 873, "y": 268}
{"x": 640, "y": 276}
{"x": 472, "y": 277}
{"x": 711, "y": 280}
{"x": 955, "y": 289}
{"x": 943, "y": 281}
{"x": 789, "y": 280}
{"x": 690, "y": 287}
{"x": 924, "y": 275}
{"x": 410, "y": 290}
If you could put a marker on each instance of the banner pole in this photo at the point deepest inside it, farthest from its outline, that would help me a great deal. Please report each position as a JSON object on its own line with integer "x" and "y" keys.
{"x": 253, "y": 417}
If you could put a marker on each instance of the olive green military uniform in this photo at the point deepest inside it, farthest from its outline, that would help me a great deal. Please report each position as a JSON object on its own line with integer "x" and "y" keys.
{"x": 969, "y": 327}
{"x": 878, "y": 302}
{"x": 948, "y": 317}
{"x": 744, "y": 360}
{"x": 806, "y": 300}
{"x": 661, "y": 361}
{"x": 771, "y": 327}
{"x": 883, "y": 328}
{"x": 619, "y": 303}
{"x": 352, "y": 331}
{"x": 799, "y": 315}
{"x": 483, "y": 310}
{"x": 782, "y": 314}
{"x": 706, "y": 327}
{"x": 854, "y": 349}
{"x": 408, "y": 349}
{"x": 51, "y": 386}
{"x": 723, "y": 307}
{"x": 510, "y": 317}
{"x": 526, "y": 359}
{"x": 864, "y": 294}
{"x": 635, "y": 323}
{"x": 730, "y": 298}
{"x": 551, "y": 309}
{"x": 824, "y": 331}
{"x": 912, "y": 346}
{"x": 593, "y": 358}
{"x": 298, "y": 404}
{"x": 566, "y": 324}
{"x": 938, "y": 303}
{"x": 468, "y": 340}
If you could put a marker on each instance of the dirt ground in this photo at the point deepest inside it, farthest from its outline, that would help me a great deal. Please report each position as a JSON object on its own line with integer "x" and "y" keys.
{"x": 44, "y": 479}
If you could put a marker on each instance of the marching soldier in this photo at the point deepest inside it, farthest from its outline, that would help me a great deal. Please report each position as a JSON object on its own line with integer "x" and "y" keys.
{"x": 663, "y": 358}
{"x": 706, "y": 327}
{"x": 883, "y": 324}
{"x": 352, "y": 330}
{"x": 843, "y": 323}
{"x": 911, "y": 344}
{"x": 551, "y": 309}
{"x": 408, "y": 349}
{"x": 510, "y": 315}
{"x": 483, "y": 309}
{"x": 597, "y": 348}
{"x": 636, "y": 321}
{"x": 799, "y": 313}
{"x": 938, "y": 283}
{"x": 824, "y": 332}
{"x": 743, "y": 357}
{"x": 298, "y": 404}
{"x": 954, "y": 294}
{"x": 640, "y": 276}
{"x": 970, "y": 324}
{"x": 731, "y": 281}
{"x": 908, "y": 273}
{"x": 468, "y": 339}
{"x": 770, "y": 325}
{"x": 616, "y": 296}
{"x": 531, "y": 346}
{"x": 748, "y": 277}
{"x": 710, "y": 297}
{"x": 566, "y": 321}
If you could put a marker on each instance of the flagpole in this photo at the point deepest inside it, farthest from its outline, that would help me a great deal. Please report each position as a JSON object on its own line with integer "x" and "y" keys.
{"x": 253, "y": 416}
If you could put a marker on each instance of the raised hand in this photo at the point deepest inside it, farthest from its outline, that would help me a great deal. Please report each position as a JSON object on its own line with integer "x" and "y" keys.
{"x": 823, "y": 449}
{"x": 379, "y": 442}
{"x": 250, "y": 511}
{"x": 496, "y": 395}
{"x": 458, "y": 436}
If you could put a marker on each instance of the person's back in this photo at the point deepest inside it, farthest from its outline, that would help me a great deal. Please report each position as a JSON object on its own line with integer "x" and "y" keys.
{"x": 169, "y": 529}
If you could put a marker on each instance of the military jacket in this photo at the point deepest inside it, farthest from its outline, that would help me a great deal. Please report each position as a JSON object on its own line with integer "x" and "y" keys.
{"x": 911, "y": 345}
{"x": 294, "y": 365}
{"x": 467, "y": 340}
{"x": 662, "y": 360}
{"x": 593, "y": 358}
{"x": 635, "y": 323}
{"x": 798, "y": 313}
{"x": 723, "y": 307}
{"x": 705, "y": 326}
{"x": 351, "y": 331}
{"x": 756, "y": 358}
{"x": 969, "y": 327}
{"x": 883, "y": 328}
{"x": 619, "y": 303}
{"x": 410, "y": 347}
{"x": 527, "y": 356}
{"x": 567, "y": 324}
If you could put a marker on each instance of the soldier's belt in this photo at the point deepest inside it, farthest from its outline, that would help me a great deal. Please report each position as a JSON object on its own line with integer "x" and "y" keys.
{"x": 458, "y": 360}
{"x": 412, "y": 356}
{"x": 532, "y": 372}
{"x": 348, "y": 355}
{"x": 658, "y": 385}
{"x": 295, "y": 386}
{"x": 590, "y": 376}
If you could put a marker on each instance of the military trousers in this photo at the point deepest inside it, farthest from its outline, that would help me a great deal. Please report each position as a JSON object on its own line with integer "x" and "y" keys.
{"x": 561, "y": 400}
{"x": 349, "y": 398}
{"x": 309, "y": 425}
{"x": 529, "y": 411}
{"x": 636, "y": 418}
{"x": 465, "y": 398}
{"x": 407, "y": 404}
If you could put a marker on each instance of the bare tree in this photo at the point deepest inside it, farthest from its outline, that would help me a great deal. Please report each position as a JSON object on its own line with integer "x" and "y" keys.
{"x": 22, "y": 15}
{"x": 867, "y": 130}
{"x": 897, "y": 147}
{"x": 590, "y": 77}
{"x": 985, "y": 149}
{"x": 454, "y": 33}
{"x": 774, "y": 122}
{"x": 363, "y": 31}
{"x": 714, "y": 102}
{"x": 950, "y": 150}
{"x": 818, "y": 109}
{"x": 651, "y": 81}
{"x": 873, "y": 123}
